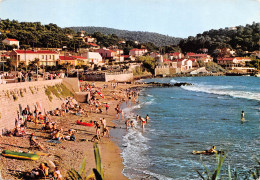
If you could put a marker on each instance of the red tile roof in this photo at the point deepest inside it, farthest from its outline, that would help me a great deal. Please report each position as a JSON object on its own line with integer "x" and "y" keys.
{"x": 175, "y": 54}
{"x": 135, "y": 49}
{"x": 79, "y": 57}
{"x": 125, "y": 56}
{"x": 198, "y": 55}
{"x": 93, "y": 44}
{"x": 63, "y": 58}
{"x": 190, "y": 53}
{"x": 11, "y": 39}
{"x": 241, "y": 58}
{"x": 35, "y": 52}
{"x": 226, "y": 59}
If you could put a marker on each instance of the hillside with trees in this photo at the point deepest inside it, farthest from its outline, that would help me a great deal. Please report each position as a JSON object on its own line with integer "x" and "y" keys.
{"x": 240, "y": 38}
{"x": 142, "y": 37}
{"x": 34, "y": 34}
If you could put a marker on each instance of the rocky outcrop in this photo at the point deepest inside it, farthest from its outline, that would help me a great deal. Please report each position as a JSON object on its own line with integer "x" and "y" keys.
{"x": 157, "y": 84}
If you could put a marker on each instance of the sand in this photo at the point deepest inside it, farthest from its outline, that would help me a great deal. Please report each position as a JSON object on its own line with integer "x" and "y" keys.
{"x": 70, "y": 154}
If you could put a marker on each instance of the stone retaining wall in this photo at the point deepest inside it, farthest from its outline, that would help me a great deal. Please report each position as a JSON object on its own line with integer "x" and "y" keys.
{"x": 23, "y": 94}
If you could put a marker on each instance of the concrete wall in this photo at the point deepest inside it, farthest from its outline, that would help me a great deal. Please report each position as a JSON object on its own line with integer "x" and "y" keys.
{"x": 95, "y": 77}
{"x": 166, "y": 70}
{"x": 32, "y": 93}
{"x": 106, "y": 77}
{"x": 72, "y": 84}
{"x": 119, "y": 77}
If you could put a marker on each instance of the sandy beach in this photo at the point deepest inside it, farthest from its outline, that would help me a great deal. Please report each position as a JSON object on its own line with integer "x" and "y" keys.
{"x": 69, "y": 154}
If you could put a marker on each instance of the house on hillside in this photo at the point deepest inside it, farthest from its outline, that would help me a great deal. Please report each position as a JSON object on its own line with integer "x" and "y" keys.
{"x": 112, "y": 54}
{"x": 107, "y": 53}
{"x": 93, "y": 57}
{"x": 183, "y": 64}
{"x": 176, "y": 55}
{"x": 46, "y": 57}
{"x": 230, "y": 62}
{"x": 89, "y": 39}
{"x": 11, "y": 42}
{"x": 93, "y": 45}
{"x": 137, "y": 52}
{"x": 81, "y": 60}
{"x": 203, "y": 57}
{"x": 68, "y": 60}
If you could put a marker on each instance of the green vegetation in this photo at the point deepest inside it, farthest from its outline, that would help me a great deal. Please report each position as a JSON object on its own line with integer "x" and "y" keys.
{"x": 142, "y": 37}
{"x": 21, "y": 93}
{"x": 81, "y": 173}
{"x": 31, "y": 90}
{"x": 59, "y": 90}
{"x": 148, "y": 63}
{"x": 243, "y": 38}
{"x": 48, "y": 93}
{"x": 211, "y": 66}
{"x": 34, "y": 34}
{"x": 207, "y": 175}
{"x": 15, "y": 97}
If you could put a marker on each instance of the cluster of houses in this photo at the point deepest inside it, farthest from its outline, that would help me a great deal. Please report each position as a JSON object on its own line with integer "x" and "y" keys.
{"x": 97, "y": 55}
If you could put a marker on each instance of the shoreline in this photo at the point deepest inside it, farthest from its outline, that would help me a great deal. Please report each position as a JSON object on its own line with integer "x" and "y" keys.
{"x": 70, "y": 154}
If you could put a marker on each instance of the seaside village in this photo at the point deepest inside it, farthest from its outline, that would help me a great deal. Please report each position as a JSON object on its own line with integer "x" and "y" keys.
{"x": 50, "y": 119}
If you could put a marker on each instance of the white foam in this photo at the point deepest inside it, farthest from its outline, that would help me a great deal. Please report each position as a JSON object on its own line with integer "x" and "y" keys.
{"x": 135, "y": 145}
{"x": 223, "y": 90}
{"x": 173, "y": 81}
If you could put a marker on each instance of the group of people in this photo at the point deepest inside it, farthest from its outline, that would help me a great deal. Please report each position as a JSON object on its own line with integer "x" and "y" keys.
{"x": 44, "y": 171}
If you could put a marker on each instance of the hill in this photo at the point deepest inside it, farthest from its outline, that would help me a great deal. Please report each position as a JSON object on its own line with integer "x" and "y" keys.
{"x": 143, "y": 37}
{"x": 240, "y": 38}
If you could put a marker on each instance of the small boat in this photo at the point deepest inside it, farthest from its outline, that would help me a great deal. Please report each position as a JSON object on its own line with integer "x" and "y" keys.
{"x": 20, "y": 155}
{"x": 207, "y": 153}
{"x": 85, "y": 124}
{"x": 257, "y": 75}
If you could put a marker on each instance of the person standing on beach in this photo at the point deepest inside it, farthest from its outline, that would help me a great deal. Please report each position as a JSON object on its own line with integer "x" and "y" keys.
{"x": 142, "y": 121}
{"x": 147, "y": 118}
{"x": 107, "y": 107}
{"x": 127, "y": 123}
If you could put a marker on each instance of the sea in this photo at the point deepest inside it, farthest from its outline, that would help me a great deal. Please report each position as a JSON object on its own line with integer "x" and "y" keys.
{"x": 187, "y": 118}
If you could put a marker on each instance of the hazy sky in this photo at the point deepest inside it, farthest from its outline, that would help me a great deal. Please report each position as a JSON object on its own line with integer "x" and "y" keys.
{"x": 179, "y": 18}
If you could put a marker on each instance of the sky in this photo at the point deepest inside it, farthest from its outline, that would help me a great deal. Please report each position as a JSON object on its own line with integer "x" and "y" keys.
{"x": 178, "y": 18}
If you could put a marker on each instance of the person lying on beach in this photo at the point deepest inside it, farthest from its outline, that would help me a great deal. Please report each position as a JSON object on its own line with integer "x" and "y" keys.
{"x": 36, "y": 173}
{"x": 57, "y": 135}
{"x": 56, "y": 112}
{"x": 57, "y": 174}
{"x": 71, "y": 136}
{"x": 34, "y": 143}
{"x": 47, "y": 126}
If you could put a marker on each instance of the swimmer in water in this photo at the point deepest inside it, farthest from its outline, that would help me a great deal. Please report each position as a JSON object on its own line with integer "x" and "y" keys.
{"x": 242, "y": 116}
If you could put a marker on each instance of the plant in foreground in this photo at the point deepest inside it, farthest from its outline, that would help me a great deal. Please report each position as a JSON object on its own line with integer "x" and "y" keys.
{"x": 81, "y": 174}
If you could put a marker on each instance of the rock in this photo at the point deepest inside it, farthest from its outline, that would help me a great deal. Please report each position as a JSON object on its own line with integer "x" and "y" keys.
{"x": 169, "y": 84}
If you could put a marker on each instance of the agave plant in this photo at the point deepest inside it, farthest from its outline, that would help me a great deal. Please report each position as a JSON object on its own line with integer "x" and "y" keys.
{"x": 81, "y": 173}
{"x": 215, "y": 174}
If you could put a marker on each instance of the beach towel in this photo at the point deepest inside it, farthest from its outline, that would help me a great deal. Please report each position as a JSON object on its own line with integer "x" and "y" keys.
{"x": 53, "y": 141}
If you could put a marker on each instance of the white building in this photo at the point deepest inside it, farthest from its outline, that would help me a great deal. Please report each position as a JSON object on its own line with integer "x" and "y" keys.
{"x": 11, "y": 42}
{"x": 93, "y": 57}
{"x": 46, "y": 57}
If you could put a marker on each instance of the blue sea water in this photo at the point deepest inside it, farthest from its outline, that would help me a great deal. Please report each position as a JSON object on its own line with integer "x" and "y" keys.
{"x": 183, "y": 119}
